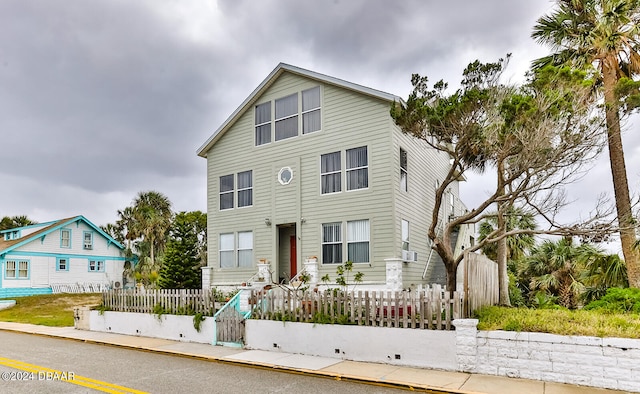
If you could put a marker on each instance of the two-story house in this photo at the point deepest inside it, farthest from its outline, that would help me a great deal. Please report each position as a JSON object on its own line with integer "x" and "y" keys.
{"x": 72, "y": 251}
{"x": 312, "y": 169}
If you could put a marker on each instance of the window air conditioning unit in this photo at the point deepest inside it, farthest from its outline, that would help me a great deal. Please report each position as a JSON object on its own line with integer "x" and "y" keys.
{"x": 410, "y": 256}
{"x": 117, "y": 285}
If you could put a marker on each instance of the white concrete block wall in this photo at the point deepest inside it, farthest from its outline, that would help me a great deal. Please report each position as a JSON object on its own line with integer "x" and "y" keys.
{"x": 397, "y": 346}
{"x": 611, "y": 363}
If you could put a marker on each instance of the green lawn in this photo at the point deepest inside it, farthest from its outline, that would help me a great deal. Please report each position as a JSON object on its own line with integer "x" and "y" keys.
{"x": 560, "y": 321}
{"x": 55, "y": 310}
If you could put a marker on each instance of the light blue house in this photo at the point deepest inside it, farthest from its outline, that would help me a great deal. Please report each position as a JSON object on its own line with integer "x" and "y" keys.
{"x": 67, "y": 253}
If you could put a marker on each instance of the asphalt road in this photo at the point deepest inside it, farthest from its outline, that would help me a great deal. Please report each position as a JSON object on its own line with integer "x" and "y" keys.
{"x": 36, "y": 364}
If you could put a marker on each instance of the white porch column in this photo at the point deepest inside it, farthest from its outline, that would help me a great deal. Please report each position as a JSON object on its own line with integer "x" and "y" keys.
{"x": 394, "y": 273}
{"x": 311, "y": 268}
{"x": 264, "y": 272}
{"x": 206, "y": 277}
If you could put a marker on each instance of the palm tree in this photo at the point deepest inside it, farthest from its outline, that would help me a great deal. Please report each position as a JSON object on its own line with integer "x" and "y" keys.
{"x": 15, "y": 222}
{"x": 555, "y": 267}
{"x": 151, "y": 214}
{"x": 601, "y": 273}
{"x": 603, "y": 33}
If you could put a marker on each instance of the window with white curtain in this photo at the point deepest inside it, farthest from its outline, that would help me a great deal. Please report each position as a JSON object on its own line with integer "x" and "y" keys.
{"x": 358, "y": 241}
{"x": 226, "y": 192}
{"x": 311, "y": 110}
{"x": 332, "y": 243}
{"x": 330, "y": 170}
{"x": 10, "y": 269}
{"x": 403, "y": 170}
{"x": 65, "y": 238}
{"x": 227, "y": 248}
{"x": 357, "y": 168}
{"x": 405, "y": 234}
{"x": 245, "y": 249}
{"x": 263, "y": 123}
{"x": 245, "y": 189}
{"x": 286, "y": 117}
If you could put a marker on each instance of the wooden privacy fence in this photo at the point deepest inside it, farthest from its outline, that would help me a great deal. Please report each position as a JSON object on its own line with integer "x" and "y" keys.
{"x": 169, "y": 301}
{"x": 480, "y": 281}
{"x": 421, "y": 309}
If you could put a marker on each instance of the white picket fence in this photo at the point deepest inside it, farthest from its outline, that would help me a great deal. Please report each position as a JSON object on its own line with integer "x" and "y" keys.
{"x": 80, "y": 288}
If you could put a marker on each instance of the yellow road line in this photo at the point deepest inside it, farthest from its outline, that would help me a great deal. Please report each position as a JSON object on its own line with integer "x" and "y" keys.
{"x": 67, "y": 377}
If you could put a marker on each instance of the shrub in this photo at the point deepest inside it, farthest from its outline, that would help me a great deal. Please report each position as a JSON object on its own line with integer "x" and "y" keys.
{"x": 617, "y": 300}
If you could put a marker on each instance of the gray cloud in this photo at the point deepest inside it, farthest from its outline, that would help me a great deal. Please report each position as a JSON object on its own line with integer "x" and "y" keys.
{"x": 100, "y": 100}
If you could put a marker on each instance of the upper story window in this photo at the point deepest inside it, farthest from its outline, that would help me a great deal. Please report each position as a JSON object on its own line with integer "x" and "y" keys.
{"x": 263, "y": 123}
{"x": 287, "y": 117}
{"x": 87, "y": 243}
{"x": 330, "y": 171}
{"x": 245, "y": 189}
{"x": 357, "y": 168}
{"x": 65, "y": 238}
{"x": 226, "y": 192}
{"x": 311, "y": 110}
{"x": 11, "y": 235}
{"x": 403, "y": 170}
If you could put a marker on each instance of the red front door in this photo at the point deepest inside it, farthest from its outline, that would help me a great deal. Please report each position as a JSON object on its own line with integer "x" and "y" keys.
{"x": 293, "y": 256}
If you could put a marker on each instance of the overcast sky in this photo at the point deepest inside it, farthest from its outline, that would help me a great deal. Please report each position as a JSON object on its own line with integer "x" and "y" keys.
{"x": 102, "y": 99}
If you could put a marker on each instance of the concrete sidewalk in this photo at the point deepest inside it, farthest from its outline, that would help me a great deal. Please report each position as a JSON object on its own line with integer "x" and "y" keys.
{"x": 402, "y": 377}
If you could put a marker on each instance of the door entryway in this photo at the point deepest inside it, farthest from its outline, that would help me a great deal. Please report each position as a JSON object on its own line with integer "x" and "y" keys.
{"x": 287, "y": 252}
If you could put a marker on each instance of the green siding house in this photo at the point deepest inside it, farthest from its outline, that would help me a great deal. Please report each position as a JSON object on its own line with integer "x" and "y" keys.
{"x": 311, "y": 171}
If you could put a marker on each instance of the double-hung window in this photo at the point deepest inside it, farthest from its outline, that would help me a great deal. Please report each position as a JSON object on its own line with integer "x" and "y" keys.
{"x": 245, "y": 189}
{"x": 226, "y": 192}
{"x": 263, "y": 123}
{"x": 16, "y": 269}
{"x": 330, "y": 171}
{"x": 403, "y": 170}
{"x": 405, "y": 234}
{"x": 311, "y": 110}
{"x": 96, "y": 266}
{"x": 10, "y": 269}
{"x": 232, "y": 256}
{"x": 65, "y": 238}
{"x": 358, "y": 241}
{"x": 286, "y": 117}
{"x": 88, "y": 240}
{"x": 227, "y": 248}
{"x": 62, "y": 264}
{"x": 357, "y": 168}
{"x": 332, "y": 243}
{"x": 245, "y": 249}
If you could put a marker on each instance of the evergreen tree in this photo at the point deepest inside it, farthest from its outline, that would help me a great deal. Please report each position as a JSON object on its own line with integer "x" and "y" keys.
{"x": 181, "y": 268}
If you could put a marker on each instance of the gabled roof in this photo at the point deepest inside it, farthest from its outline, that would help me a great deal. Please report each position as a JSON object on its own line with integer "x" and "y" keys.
{"x": 270, "y": 79}
{"x": 49, "y": 227}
